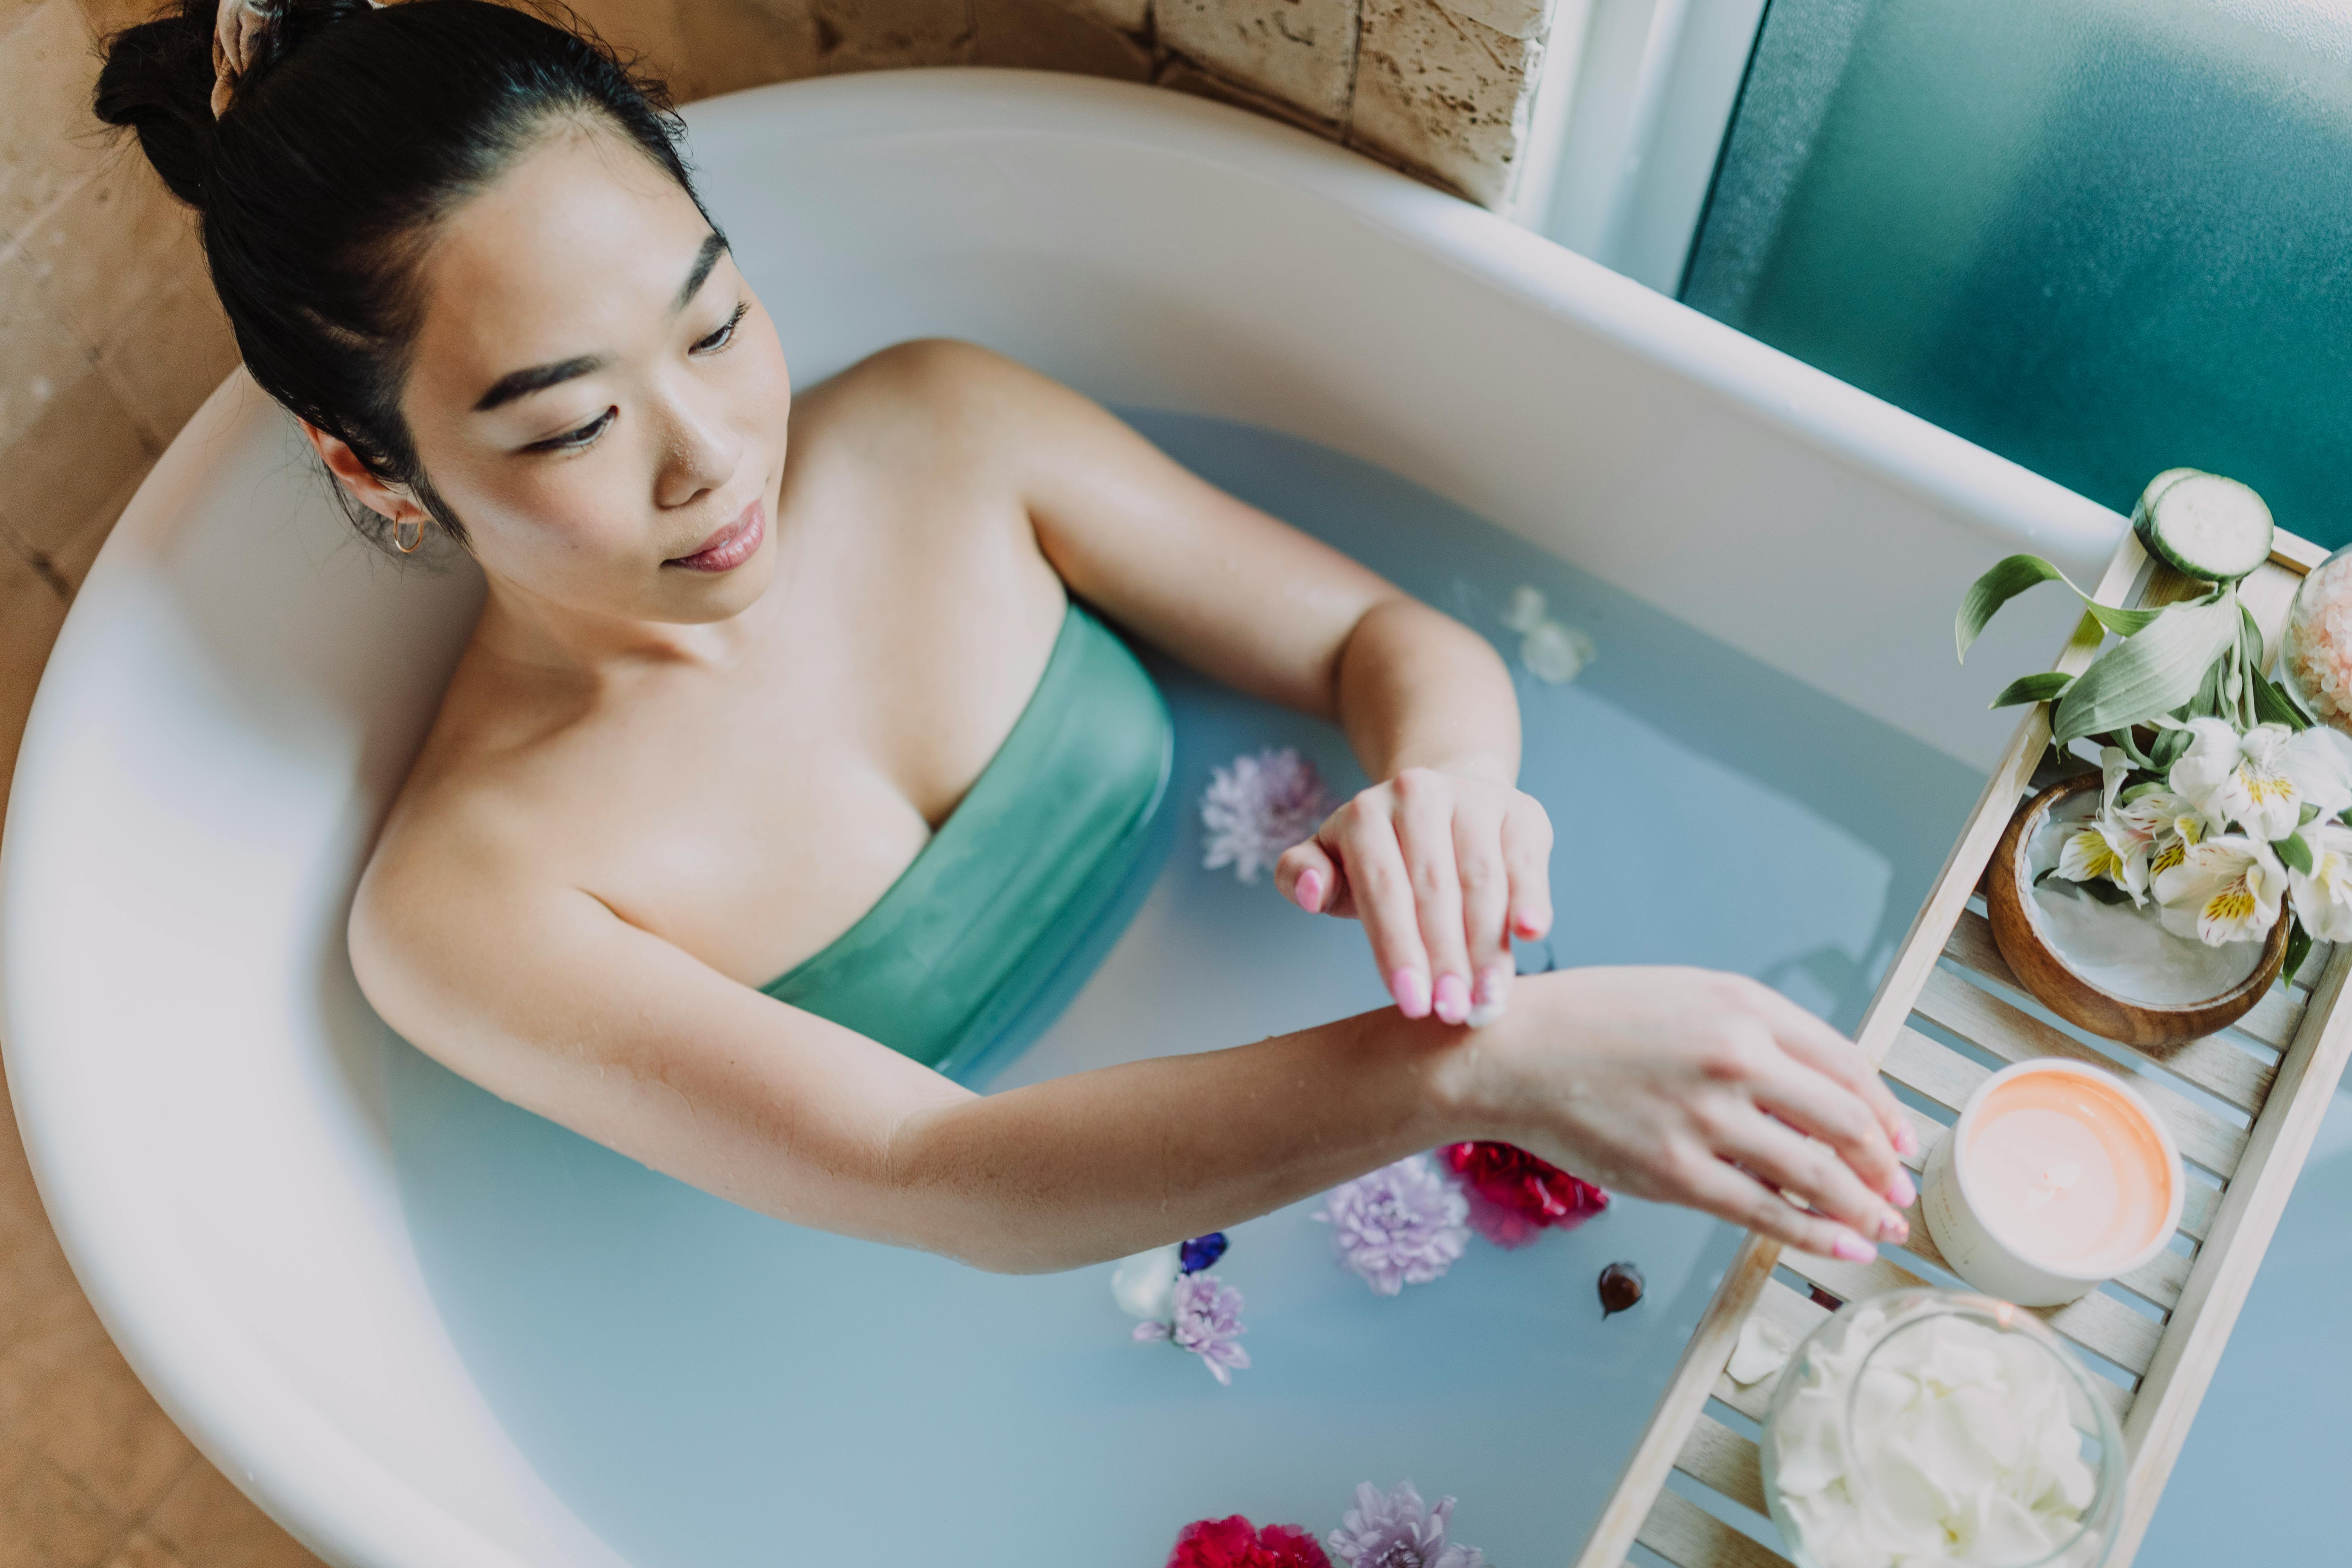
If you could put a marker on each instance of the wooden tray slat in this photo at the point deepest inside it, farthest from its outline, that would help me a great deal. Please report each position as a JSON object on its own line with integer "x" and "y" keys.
{"x": 2159, "y": 1282}
{"x": 1681, "y": 1531}
{"x": 2176, "y": 1382}
{"x": 2197, "y": 1209}
{"x": 2097, "y": 1322}
{"x": 1725, "y": 1461}
{"x": 1933, "y": 1068}
{"x": 2214, "y": 1064}
{"x": 2014, "y": 1036}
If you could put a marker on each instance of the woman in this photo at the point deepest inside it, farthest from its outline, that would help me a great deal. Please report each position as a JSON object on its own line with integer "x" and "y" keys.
{"x": 783, "y": 758}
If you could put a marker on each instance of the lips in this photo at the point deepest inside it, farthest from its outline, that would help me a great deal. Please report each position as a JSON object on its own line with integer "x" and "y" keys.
{"x": 731, "y": 546}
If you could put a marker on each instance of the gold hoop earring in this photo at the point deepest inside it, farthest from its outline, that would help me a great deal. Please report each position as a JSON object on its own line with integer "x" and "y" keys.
{"x": 412, "y": 545}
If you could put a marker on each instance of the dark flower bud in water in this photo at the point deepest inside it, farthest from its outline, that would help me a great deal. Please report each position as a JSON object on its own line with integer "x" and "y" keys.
{"x": 1200, "y": 1252}
{"x": 1621, "y": 1286}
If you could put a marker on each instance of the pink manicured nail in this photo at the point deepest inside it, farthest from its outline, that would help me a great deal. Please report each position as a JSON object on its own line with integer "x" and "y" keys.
{"x": 1852, "y": 1248}
{"x": 1493, "y": 984}
{"x": 1906, "y": 1143}
{"x": 1412, "y": 992}
{"x": 1308, "y": 891}
{"x": 1900, "y": 1192}
{"x": 1530, "y": 927}
{"x": 1453, "y": 1001}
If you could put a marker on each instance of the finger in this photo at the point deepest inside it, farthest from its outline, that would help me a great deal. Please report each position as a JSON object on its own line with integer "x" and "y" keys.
{"x": 1374, "y": 866}
{"x": 1820, "y": 1106}
{"x": 1485, "y": 906}
{"x": 1732, "y": 1194}
{"x": 1425, "y": 811}
{"x": 1527, "y": 854}
{"x": 1827, "y": 1052}
{"x": 1788, "y": 1161}
{"x": 1307, "y": 876}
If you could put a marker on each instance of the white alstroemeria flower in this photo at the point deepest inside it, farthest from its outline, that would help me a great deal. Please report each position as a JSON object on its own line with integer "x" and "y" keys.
{"x": 2262, "y": 780}
{"x": 2114, "y": 768}
{"x": 2322, "y": 896}
{"x": 2226, "y": 889}
{"x": 2174, "y": 826}
{"x": 2107, "y": 847}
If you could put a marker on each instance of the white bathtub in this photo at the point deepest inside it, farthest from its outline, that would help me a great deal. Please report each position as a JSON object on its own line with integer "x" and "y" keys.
{"x": 239, "y": 687}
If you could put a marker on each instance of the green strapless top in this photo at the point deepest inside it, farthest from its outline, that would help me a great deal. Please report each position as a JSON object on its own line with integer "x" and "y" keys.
{"x": 975, "y": 927}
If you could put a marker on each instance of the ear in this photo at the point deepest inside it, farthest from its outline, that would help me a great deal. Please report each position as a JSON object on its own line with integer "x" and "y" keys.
{"x": 391, "y": 502}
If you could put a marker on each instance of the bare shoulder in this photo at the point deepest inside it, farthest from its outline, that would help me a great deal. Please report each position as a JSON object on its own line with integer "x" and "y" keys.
{"x": 468, "y": 847}
{"x": 938, "y": 401}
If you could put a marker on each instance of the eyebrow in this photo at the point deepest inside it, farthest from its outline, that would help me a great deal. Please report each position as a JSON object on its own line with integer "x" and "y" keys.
{"x": 540, "y": 377}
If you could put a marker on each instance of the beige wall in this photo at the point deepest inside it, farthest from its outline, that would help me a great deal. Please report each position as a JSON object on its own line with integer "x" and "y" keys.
{"x": 109, "y": 336}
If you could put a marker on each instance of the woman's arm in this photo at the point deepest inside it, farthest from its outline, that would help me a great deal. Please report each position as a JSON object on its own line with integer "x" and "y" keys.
{"x": 1649, "y": 1080}
{"x": 1441, "y": 858}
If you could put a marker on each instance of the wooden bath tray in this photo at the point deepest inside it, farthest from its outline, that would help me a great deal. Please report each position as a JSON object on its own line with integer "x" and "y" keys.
{"x": 2243, "y": 1106}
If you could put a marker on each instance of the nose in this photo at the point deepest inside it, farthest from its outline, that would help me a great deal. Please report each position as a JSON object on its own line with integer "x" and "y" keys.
{"x": 699, "y": 453}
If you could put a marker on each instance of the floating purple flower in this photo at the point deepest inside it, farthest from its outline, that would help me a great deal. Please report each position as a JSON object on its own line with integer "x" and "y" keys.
{"x": 1200, "y": 1252}
{"x": 1402, "y": 1225}
{"x": 1259, "y": 807}
{"x": 1397, "y": 1529}
{"x": 1205, "y": 1318}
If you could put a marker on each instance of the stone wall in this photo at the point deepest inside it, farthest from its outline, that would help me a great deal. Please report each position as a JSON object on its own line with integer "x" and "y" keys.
{"x": 109, "y": 336}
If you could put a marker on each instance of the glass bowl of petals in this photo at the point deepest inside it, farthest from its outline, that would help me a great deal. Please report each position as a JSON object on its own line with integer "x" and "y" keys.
{"x": 1932, "y": 1427}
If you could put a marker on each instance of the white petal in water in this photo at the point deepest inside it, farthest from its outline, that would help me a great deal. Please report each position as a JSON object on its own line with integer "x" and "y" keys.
{"x": 1762, "y": 1350}
{"x": 1143, "y": 1285}
{"x": 1525, "y": 611}
{"x": 1555, "y": 653}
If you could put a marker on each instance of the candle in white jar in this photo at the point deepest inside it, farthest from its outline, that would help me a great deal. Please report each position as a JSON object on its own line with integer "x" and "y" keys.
{"x": 2055, "y": 1178}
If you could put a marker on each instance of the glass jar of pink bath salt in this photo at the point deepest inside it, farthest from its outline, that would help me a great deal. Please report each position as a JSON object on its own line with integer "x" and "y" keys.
{"x": 2315, "y": 647}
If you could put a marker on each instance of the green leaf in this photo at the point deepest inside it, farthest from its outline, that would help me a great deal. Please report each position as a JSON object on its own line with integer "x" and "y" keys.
{"x": 2251, "y": 638}
{"x": 2123, "y": 741}
{"x": 2032, "y": 689}
{"x": 2294, "y": 852}
{"x": 2298, "y": 947}
{"x": 2164, "y": 666}
{"x": 2170, "y": 746}
{"x": 2012, "y": 575}
{"x": 2273, "y": 706}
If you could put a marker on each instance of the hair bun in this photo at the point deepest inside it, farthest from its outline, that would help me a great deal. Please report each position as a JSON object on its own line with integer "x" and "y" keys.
{"x": 158, "y": 81}
{"x": 158, "y": 75}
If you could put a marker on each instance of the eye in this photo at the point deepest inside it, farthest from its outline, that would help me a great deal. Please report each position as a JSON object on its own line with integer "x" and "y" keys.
{"x": 725, "y": 334}
{"x": 576, "y": 440}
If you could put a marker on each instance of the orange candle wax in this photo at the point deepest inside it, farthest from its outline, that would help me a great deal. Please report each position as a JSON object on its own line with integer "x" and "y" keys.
{"x": 2067, "y": 1172}
{"x": 2055, "y": 1177}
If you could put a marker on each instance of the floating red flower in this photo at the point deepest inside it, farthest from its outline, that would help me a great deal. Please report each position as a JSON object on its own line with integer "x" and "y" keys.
{"x": 1235, "y": 1543}
{"x": 1514, "y": 1196}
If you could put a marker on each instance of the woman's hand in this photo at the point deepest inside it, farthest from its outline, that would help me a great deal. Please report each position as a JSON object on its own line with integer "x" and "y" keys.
{"x": 1444, "y": 865}
{"x": 1698, "y": 1088}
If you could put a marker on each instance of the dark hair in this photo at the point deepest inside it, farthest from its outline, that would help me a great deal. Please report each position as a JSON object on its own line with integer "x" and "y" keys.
{"x": 358, "y": 129}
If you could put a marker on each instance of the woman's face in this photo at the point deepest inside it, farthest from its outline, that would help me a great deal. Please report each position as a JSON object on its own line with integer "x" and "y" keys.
{"x": 595, "y": 391}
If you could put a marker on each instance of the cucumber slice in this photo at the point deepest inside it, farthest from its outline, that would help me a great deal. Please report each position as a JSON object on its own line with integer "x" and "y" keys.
{"x": 2203, "y": 524}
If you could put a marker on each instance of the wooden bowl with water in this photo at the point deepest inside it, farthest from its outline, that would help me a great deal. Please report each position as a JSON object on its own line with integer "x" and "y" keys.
{"x": 2057, "y": 987}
